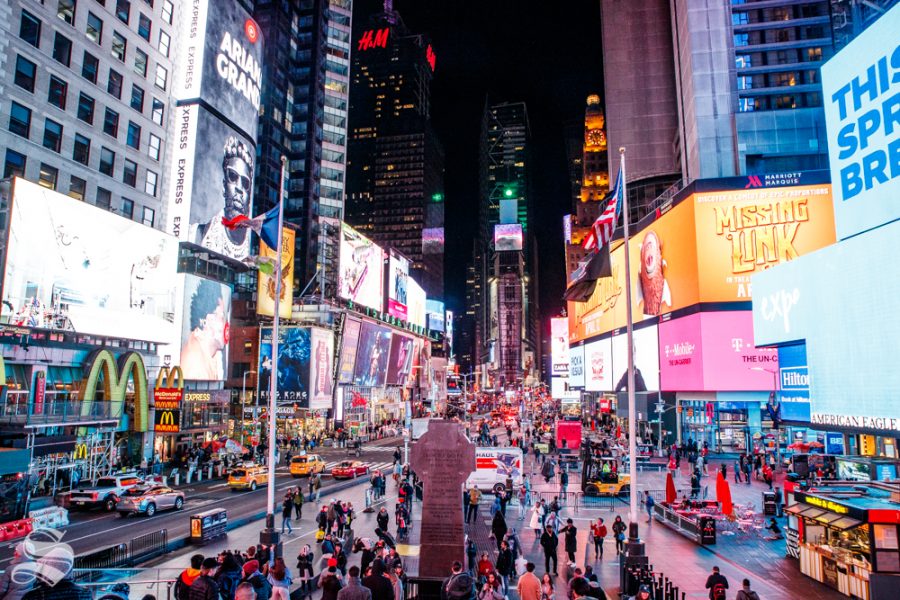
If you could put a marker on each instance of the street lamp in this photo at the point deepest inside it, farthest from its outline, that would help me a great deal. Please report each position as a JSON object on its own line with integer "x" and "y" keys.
{"x": 774, "y": 373}
{"x": 244, "y": 400}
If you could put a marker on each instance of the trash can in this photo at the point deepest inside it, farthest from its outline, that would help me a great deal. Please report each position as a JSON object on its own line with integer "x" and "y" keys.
{"x": 769, "y": 503}
{"x": 208, "y": 525}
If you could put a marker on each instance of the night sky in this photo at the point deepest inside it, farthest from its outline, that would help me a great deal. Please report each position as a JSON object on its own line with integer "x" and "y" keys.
{"x": 545, "y": 54}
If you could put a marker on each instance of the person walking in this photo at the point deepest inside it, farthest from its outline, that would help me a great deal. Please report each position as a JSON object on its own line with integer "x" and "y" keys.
{"x": 717, "y": 585}
{"x": 474, "y": 499}
{"x": 745, "y": 593}
{"x": 537, "y": 518}
{"x": 618, "y": 528}
{"x": 298, "y": 503}
{"x": 563, "y": 482}
{"x": 505, "y": 565}
{"x": 287, "y": 509}
{"x": 598, "y": 533}
{"x": 204, "y": 586}
{"x": 354, "y": 590}
{"x": 305, "y": 569}
{"x": 499, "y": 528}
{"x": 649, "y": 503}
{"x": 529, "y": 586}
{"x": 571, "y": 542}
{"x": 550, "y": 543}
{"x": 383, "y": 519}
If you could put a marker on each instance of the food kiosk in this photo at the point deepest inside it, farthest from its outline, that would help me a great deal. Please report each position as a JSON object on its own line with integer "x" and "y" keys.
{"x": 848, "y": 537}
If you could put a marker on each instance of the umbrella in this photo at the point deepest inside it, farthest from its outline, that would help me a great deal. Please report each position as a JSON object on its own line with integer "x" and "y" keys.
{"x": 816, "y": 444}
{"x": 803, "y": 446}
{"x": 723, "y": 494}
{"x": 671, "y": 495}
{"x": 233, "y": 446}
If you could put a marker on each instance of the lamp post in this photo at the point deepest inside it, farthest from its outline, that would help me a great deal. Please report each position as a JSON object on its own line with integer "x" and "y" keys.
{"x": 244, "y": 401}
{"x": 774, "y": 373}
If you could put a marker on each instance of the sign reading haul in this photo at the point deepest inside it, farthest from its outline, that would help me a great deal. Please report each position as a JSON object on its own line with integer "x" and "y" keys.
{"x": 861, "y": 87}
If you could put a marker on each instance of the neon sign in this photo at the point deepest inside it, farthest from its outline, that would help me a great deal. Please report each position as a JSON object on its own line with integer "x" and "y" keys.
{"x": 430, "y": 57}
{"x": 827, "y": 505}
{"x": 374, "y": 39}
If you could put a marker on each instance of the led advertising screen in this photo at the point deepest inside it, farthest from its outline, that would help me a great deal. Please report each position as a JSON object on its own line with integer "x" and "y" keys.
{"x": 598, "y": 366}
{"x": 205, "y": 329}
{"x": 372, "y": 355}
{"x": 265, "y": 289}
{"x": 646, "y": 361}
{"x": 434, "y": 313}
{"x": 433, "y": 240}
{"x": 794, "y": 384}
{"x": 321, "y": 374}
{"x": 417, "y": 300}
{"x": 576, "y": 367}
{"x": 448, "y": 331}
{"x": 361, "y": 275}
{"x": 72, "y": 266}
{"x": 859, "y": 89}
{"x": 507, "y": 237}
{"x": 398, "y": 275}
{"x": 400, "y": 360}
{"x": 349, "y": 342}
{"x": 559, "y": 346}
{"x": 221, "y": 48}
{"x": 293, "y": 365}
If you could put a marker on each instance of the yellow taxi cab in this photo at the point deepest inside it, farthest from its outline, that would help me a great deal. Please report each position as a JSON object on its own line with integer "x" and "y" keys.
{"x": 248, "y": 477}
{"x": 306, "y": 464}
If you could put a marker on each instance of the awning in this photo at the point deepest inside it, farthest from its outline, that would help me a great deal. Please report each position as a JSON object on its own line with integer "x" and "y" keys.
{"x": 828, "y": 518}
{"x": 845, "y": 523}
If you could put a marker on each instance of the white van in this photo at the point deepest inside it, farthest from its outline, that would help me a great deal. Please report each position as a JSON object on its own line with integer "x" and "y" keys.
{"x": 494, "y": 467}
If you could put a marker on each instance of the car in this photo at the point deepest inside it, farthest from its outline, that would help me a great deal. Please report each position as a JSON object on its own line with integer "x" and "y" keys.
{"x": 149, "y": 499}
{"x": 350, "y": 469}
{"x": 105, "y": 493}
{"x": 306, "y": 464}
{"x": 248, "y": 478}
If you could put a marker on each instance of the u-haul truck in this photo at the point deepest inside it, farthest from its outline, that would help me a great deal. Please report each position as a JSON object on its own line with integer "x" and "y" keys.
{"x": 495, "y": 468}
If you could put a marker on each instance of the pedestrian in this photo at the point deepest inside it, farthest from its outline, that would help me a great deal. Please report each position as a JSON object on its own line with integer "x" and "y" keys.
{"x": 298, "y": 503}
{"x": 378, "y": 583}
{"x": 598, "y": 532}
{"x": 695, "y": 483}
{"x": 737, "y": 472}
{"x": 745, "y": 593}
{"x": 354, "y": 590}
{"x": 537, "y": 518}
{"x": 244, "y": 591}
{"x": 571, "y": 542}
{"x": 522, "y": 497}
{"x": 228, "y": 576}
{"x": 383, "y": 519}
{"x": 547, "y": 592}
{"x": 465, "y": 504}
{"x": 305, "y": 569}
{"x": 317, "y": 483}
{"x": 204, "y": 586}
{"x": 459, "y": 586}
{"x": 550, "y": 543}
{"x": 649, "y": 503}
{"x": 287, "y": 509}
{"x": 505, "y": 565}
{"x": 474, "y": 498}
{"x": 252, "y": 576}
{"x": 280, "y": 580}
{"x": 471, "y": 555}
{"x": 184, "y": 581}
{"x": 322, "y": 520}
{"x": 563, "y": 482}
{"x": 491, "y": 588}
{"x": 529, "y": 586}
{"x": 618, "y": 528}
{"x": 498, "y": 528}
{"x": 330, "y": 582}
{"x": 717, "y": 585}
{"x": 748, "y": 469}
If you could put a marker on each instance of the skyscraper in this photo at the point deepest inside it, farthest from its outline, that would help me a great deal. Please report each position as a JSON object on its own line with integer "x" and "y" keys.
{"x": 395, "y": 161}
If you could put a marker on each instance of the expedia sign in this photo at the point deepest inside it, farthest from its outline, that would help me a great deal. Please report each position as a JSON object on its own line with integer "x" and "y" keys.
{"x": 167, "y": 421}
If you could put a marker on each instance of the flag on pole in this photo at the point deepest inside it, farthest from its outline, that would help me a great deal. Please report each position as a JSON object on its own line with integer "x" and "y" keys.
{"x": 602, "y": 229}
{"x": 265, "y": 225}
{"x": 595, "y": 266}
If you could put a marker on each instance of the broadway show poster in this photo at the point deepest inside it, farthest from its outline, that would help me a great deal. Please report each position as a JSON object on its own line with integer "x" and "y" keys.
{"x": 320, "y": 368}
{"x": 205, "y": 329}
{"x": 293, "y": 365}
{"x": 401, "y": 359}
{"x": 372, "y": 355}
{"x": 348, "y": 350}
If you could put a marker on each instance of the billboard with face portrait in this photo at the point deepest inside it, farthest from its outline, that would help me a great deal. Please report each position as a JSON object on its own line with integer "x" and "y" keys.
{"x": 398, "y": 275}
{"x": 205, "y": 329}
{"x": 400, "y": 361}
{"x": 294, "y": 361}
{"x": 265, "y": 289}
{"x": 646, "y": 361}
{"x": 70, "y": 265}
{"x": 321, "y": 377}
{"x": 349, "y": 342}
{"x": 361, "y": 271}
{"x": 559, "y": 347}
{"x": 372, "y": 355}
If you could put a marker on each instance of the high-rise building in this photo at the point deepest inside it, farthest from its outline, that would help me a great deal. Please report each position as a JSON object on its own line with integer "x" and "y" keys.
{"x": 306, "y": 74}
{"x": 395, "y": 162}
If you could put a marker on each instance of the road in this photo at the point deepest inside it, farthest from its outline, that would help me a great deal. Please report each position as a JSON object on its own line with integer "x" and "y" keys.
{"x": 93, "y": 530}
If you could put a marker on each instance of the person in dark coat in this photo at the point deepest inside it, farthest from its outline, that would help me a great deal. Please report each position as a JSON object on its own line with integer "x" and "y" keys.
{"x": 204, "y": 586}
{"x": 550, "y": 543}
{"x": 499, "y": 528}
{"x": 252, "y": 576}
{"x": 354, "y": 590}
{"x": 505, "y": 565}
{"x": 378, "y": 582}
{"x": 330, "y": 583}
{"x": 382, "y": 518}
{"x": 228, "y": 576}
{"x": 571, "y": 539}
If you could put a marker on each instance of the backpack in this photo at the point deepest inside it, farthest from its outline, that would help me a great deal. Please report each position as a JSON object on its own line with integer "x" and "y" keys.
{"x": 719, "y": 592}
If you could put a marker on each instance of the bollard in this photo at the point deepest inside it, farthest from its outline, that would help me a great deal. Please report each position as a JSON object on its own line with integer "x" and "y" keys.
{"x": 209, "y": 472}
{"x": 177, "y": 478}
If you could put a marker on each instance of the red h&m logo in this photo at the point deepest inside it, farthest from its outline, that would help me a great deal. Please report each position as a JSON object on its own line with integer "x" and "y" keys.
{"x": 753, "y": 181}
{"x": 374, "y": 39}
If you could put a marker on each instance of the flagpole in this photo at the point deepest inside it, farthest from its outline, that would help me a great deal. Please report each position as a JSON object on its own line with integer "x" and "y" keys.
{"x": 269, "y": 536}
{"x": 629, "y": 329}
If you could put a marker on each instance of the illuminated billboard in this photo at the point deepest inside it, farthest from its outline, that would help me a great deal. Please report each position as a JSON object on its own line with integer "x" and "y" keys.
{"x": 646, "y": 361}
{"x": 205, "y": 329}
{"x": 576, "y": 367}
{"x": 398, "y": 274}
{"x": 598, "y": 366}
{"x": 361, "y": 271}
{"x": 372, "y": 355}
{"x": 400, "y": 359}
{"x": 507, "y": 237}
{"x": 433, "y": 240}
{"x": 72, "y": 266}
{"x": 349, "y": 342}
{"x": 417, "y": 299}
{"x": 265, "y": 288}
{"x": 221, "y": 51}
{"x": 321, "y": 378}
{"x": 434, "y": 314}
{"x": 293, "y": 364}
{"x": 559, "y": 347}
{"x": 859, "y": 90}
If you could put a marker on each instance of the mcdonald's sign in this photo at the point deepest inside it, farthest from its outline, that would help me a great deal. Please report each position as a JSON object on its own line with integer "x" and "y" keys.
{"x": 81, "y": 451}
{"x": 116, "y": 374}
{"x": 167, "y": 421}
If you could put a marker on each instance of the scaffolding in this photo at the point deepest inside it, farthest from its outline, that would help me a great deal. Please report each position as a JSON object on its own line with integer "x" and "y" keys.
{"x": 54, "y": 472}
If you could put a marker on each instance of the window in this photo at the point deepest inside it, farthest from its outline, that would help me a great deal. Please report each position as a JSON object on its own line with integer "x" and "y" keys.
{"x": 158, "y": 110}
{"x": 137, "y": 98}
{"x": 167, "y": 10}
{"x": 90, "y": 67}
{"x": 25, "y": 73}
{"x": 107, "y": 161}
{"x": 57, "y": 93}
{"x": 48, "y": 176}
{"x": 149, "y": 216}
{"x": 164, "y": 41}
{"x": 128, "y": 208}
{"x": 82, "y": 150}
{"x": 150, "y": 184}
{"x": 52, "y": 135}
{"x": 741, "y": 39}
{"x": 140, "y": 62}
{"x": 94, "y": 28}
{"x": 129, "y": 173}
{"x": 114, "y": 84}
{"x": 134, "y": 135}
{"x": 119, "y": 46}
{"x": 30, "y": 29}
{"x": 144, "y": 26}
{"x": 123, "y": 8}
{"x": 77, "y": 188}
{"x": 14, "y": 165}
{"x": 111, "y": 123}
{"x": 66, "y": 11}
{"x": 62, "y": 49}
{"x": 162, "y": 76}
{"x": 153, "y": 147}
{"x": 104, "y": 198}
{"x": 86, "y": 108}
{"x": 20, "y": 119}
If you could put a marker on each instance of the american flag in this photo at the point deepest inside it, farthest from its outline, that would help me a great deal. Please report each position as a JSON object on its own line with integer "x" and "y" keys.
{"x": 603, "y": 228}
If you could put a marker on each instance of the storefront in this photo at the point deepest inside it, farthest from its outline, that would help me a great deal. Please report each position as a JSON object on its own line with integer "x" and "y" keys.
{"x": 203, "y": 416}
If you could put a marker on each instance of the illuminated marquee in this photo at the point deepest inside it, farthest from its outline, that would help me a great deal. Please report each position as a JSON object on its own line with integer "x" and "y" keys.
{"x": 375, "y": 39}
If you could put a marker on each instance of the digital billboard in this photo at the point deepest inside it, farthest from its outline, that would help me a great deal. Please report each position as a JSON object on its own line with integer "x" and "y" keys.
{"x": 559, "y": 346}
{"x": 598, "y": 366}
{"x": 293, "y": 364}
{"x": 433, "y": 240}
{"x": 221, "y": 51}
{"x": 265, "y": 288}
{"x": 793, "y": 389}
{"x": 417, "y": 300}
{"x": 72, "y": 266}
{"x": 859, "y": 90}
{"x": 349, "y": 343}
{"x": 361, "y": 271}
{"x": 576, "y": 367}
{"x": 321, "y": 373}
{"x": 372, "y": 355}
{"x": 448, "y": 332}
{"x": 507, "y": 237}
{"x": 205, "y": 329}
{"x": 646, "y": 361}
{"x": 434, "y": 311}
{"x": 400, "y": 360}
{"x": 398, "y": 275}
